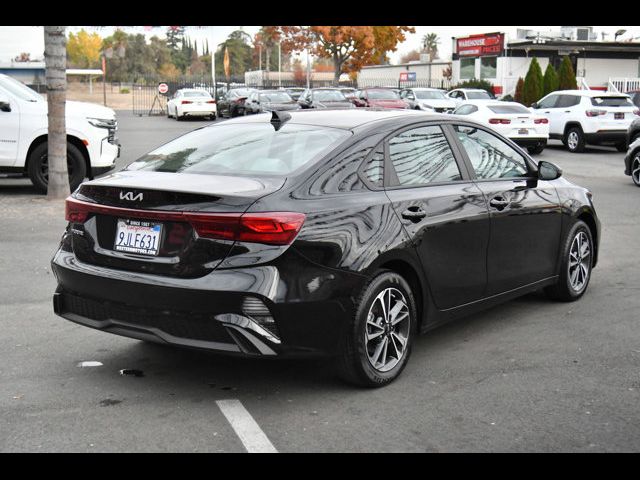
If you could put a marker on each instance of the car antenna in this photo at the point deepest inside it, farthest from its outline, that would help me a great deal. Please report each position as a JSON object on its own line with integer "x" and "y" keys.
{"x": 278, "y": 119}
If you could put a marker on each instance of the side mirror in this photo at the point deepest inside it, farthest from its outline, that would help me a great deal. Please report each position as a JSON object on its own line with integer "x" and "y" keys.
{"x": 5, "y": 106}
{"x": 535, "y": 105}
{"x": 548, "y": 171}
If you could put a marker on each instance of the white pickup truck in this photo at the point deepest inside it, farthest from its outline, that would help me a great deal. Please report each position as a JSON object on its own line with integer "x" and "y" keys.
{"x": 92, "y": 146}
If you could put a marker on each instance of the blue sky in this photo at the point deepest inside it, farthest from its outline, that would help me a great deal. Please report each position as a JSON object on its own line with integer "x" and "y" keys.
{"x": 14, "y": 40}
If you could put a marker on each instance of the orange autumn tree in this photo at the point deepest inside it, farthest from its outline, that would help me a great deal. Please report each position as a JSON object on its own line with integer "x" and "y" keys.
{"x": 349, "y": 48}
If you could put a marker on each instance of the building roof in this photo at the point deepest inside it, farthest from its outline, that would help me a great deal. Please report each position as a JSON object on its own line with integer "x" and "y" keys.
{"x": 580, "y": 45}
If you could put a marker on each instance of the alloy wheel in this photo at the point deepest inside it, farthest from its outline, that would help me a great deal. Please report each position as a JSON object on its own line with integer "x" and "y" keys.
{"x": 387, "y": 329}
{"x": 579, "y": 261}
{"x": 572, "y": 140}
{"x": 44, "y": 167}
{"x": 635, "y": 169}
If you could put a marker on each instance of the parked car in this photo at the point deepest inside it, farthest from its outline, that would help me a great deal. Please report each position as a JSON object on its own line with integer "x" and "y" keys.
{"x": 379, "y": 97}
{"x": 231, "y": 103}
{"x": 315, "y": 233}
{"x": 262, "y": 101}
{"x": 511, "y": 119}
{"x": 460, "y": 95}
{"x": 295, "y": 92}
{"x": 324, "y": 98}
{"x": 191, "y": 103}
{"x": 349, "y": 92}
{"x": 581, "y": 117}
{"x": 635, "y": 97}
{"x": 430, "y": 99}
{"x": 632, "y": 159}
{"x": 92, "y": 145}
{"x": 633, "y": 132}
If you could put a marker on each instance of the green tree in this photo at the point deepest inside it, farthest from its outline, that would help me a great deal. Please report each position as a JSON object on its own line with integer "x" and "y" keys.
{"x": 240, "y": 54}
{"x": 430, "y": 45}
{"x": 518, "y": 95}
{"x": 533, "y": 83}
{"x": 83, "y": 49}
{"x": 475, "y": 83}
{"x": 566, "y": 75}
{"x": 551, "y": 81}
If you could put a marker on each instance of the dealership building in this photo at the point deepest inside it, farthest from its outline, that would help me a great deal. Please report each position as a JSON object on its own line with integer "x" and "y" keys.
{"x": 598, "y": 64}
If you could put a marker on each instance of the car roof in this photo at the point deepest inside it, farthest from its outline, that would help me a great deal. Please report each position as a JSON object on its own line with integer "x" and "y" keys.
{"x": 343, "y": 119}
{"x": 589, "y": 93}
{"x": 424, "y": 89}
{"x": 471, "y": 89}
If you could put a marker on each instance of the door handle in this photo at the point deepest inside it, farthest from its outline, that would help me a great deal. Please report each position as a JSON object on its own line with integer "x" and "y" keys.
{"x": 414, "y": 215}
{"x": 498, "y": 202}
{"x": 547, "y": 112}
{"x": 567, "y": 111}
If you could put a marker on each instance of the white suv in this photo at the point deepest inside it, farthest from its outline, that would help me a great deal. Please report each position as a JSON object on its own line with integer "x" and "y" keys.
{"x": 92, "y": 146}
{"x": 580, "y": 117}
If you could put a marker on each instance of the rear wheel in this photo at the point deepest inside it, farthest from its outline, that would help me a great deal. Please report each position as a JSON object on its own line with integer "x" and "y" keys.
{"x": 574, "y": 140}
{"x": 378, "y": 342}
{"x": 38, "y": 167}
{"x": 537, "y": 150}
{"x": 635, "y": 168}
{"x": 577, "y": 261}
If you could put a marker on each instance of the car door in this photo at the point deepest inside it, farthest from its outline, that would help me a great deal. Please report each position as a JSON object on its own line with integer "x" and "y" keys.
{"x": 9, "y": 130}
{"x": 525, "y": 212}
{"x": 547, "y": 107}
{"x": 442, "y": 210}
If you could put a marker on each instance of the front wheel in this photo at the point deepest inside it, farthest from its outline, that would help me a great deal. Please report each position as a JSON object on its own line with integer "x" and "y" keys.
{"x": 621, "y": 147}
{"x": 38, "y": 167}
{"x": 378, "y": 342}
{"x": 575, "y": 269}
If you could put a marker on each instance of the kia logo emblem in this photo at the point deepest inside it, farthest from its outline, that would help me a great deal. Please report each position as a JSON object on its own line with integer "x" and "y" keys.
{"x": 130, "y": 196}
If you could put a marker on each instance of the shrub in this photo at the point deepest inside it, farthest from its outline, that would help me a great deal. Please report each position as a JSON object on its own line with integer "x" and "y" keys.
{"x": 551, "y": 80}
{"x": 125, "y": 90}
{"x": 475, "y": 83}
{"x": 566, "y": 75}
{"x": 533, "y": 87}
{"x": 518, "y": 96}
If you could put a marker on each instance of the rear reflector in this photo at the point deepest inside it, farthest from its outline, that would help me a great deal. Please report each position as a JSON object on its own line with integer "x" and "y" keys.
{"x": 271, "y": 228}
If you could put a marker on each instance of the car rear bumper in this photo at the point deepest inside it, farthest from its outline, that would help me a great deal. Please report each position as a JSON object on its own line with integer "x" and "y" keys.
{"x": 529, "y": 141}
{"x": 606, "y": 136}
{"x": 208, "y": 312}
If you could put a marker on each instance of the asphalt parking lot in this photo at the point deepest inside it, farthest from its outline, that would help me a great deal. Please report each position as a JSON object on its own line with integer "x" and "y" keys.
{"x": 529, "y": 375}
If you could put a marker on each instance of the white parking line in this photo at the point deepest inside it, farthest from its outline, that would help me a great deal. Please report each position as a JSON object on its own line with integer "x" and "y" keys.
{"x": 249, "y": 432}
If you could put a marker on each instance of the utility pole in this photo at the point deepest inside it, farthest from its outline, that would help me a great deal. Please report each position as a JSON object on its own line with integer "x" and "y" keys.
{"x": 213, "y": 66}
{"x": 308, "y": 69}
{"x": 280, "y": 64}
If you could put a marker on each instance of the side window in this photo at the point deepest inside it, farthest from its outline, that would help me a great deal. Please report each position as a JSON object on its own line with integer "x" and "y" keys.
{"x": 410, "y": 96}
{"x": 421, "y": 156}
{"x": 549, "y": 102}
{"x": 465, "y": 110}
{"x": 566, "y": 101}
{"x": 490, "y": 156}
{"x": 373, "y": 169}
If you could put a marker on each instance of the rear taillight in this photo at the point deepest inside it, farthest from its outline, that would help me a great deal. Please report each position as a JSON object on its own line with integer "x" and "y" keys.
{"x": 272, "y": 228}
{"x": 211, "y": 101}
{"x": 184, "y": 102}
{"x": 636, "y": 112}
{"x": 503, "y": 121}
{"x": 541, "y": 120}
{"x": 595, "y": 113}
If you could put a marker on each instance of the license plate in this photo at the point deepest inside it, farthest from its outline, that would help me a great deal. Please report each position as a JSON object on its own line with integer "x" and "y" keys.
{"x": 138, "y": 236}
{"x": 618, "y": 116}
{"x": 523, "y": 131}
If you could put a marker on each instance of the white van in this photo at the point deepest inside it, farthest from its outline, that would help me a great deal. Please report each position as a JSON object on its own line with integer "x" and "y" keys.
{"x": 92, "y": 146}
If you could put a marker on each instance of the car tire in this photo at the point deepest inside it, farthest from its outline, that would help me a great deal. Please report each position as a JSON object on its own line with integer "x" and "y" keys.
{"x": 37, "y": 167}
{"x": 574, "y": 140}
{"x": 574, "y": 266}
{"x": 537, "y": 150}
{"x": 365, "y": 361}
{"x": 635, "y": 168}
{"x": 621, "y": 147}
{"x": 179, "y": 118}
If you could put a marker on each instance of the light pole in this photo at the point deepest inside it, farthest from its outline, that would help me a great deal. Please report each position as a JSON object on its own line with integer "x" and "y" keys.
{"x": 279, "y": 64}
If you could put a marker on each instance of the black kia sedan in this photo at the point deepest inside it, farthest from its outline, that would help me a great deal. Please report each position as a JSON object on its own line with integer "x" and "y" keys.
{"x": 309, "y": 233}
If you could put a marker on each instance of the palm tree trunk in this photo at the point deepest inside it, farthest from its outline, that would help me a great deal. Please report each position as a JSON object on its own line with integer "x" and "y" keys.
{"x": 55, "y": 54}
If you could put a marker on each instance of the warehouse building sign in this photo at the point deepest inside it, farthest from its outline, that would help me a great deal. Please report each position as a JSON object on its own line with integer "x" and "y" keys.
{"x": 478, "y": 45}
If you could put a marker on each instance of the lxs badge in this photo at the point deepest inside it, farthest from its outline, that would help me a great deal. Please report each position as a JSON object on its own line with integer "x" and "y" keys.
{"x": 130, "y": 196}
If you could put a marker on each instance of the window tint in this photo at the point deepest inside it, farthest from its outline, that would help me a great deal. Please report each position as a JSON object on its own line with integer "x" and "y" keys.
{"x": 567, "y": 101}
{"x": 611, "y": 102}
{"x": 374, "y": 168}
{"x": 549, "y": 102}
{"x": 466, "y": 110}
{"x": 423, "y": 155}
{"x": 490, "y": 156}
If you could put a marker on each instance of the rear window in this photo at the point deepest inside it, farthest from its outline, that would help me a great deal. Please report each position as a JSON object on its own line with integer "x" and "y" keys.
{"x": 478, "y": 95}
{"x": 200, "y": 93}
{"x": 275, "y": 97}
{"x": 382, "y": 95}
{"x": 249, "y": 149}
{"x": 611, "y": 102}
{"x": 508, "y": 109}
{"x": 329, "y": 96}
